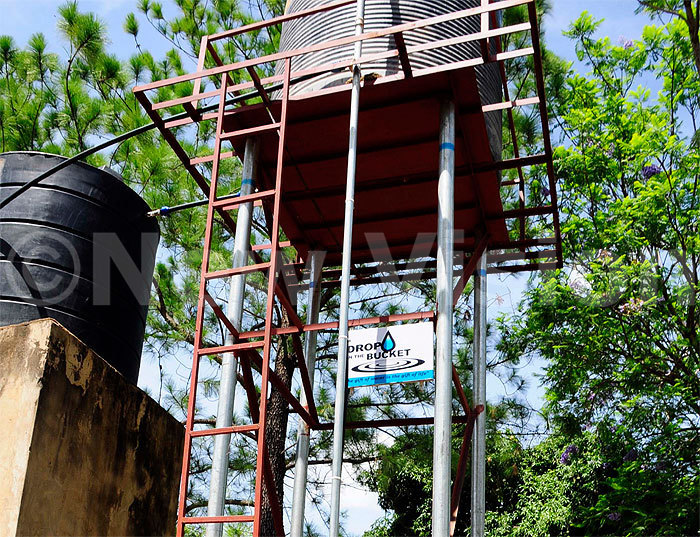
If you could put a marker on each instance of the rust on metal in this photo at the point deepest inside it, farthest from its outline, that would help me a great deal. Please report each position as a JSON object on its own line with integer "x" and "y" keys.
{"x": 301, "y": 190}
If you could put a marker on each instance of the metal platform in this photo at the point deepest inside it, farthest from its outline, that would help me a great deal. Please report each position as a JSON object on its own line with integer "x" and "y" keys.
{"x": 396, "y": 192}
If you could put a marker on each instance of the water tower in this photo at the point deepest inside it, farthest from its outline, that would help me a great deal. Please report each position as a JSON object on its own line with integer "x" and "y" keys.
{"x": 373, "y": 133}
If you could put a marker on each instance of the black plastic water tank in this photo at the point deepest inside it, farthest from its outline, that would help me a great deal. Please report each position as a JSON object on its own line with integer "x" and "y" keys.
{"x": 77, "y": 248}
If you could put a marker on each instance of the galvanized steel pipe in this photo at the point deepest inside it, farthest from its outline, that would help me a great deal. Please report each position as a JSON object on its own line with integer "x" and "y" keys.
{"x": 341, "y": 382}
{"x": 479, "y": 442}
{"x": 229, "y": 363}
{"x": 302, "y": 463}
{"x": 442, "y": 446}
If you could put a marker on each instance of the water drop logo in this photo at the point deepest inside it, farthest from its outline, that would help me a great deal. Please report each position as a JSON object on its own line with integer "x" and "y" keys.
{"x": 388, "y": 342}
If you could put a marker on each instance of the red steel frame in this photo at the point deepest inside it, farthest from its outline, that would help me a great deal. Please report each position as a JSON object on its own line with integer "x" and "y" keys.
{"x": 248, "y": 343}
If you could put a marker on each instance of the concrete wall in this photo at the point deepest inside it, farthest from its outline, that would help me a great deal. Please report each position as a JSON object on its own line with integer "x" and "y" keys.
{"x": 87, "y": 452}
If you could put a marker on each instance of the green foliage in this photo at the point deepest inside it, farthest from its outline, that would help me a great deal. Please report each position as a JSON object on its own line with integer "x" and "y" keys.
{"x": 527, "y": 120}
{"x": 55, "y": 105}
{"x": 196, "y": 18}
{"x": 84, "y": 31}
{"x": 404, "y": 482}
{"x": 131, "y": 25}
{"x": 618, "y": 326}
{"x": 571, "y": 483}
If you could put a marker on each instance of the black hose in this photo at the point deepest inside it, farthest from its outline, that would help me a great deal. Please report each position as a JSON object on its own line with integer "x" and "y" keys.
{"x": 26, "y": 186}
{"x": 136, "y": 132}
{"x": 165, "y": 211}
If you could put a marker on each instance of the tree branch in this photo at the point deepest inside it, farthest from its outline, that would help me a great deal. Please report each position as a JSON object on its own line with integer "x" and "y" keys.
{"x": 198, "y": 505}
{"x": 167, "y": 316}
{"x": 661, "y": 9}
{"x": 352, "y": 460}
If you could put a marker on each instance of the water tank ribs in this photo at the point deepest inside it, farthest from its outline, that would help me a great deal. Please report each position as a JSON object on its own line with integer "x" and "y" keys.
{"x": 77, "y": 248}
{"x": 379, "y": 14}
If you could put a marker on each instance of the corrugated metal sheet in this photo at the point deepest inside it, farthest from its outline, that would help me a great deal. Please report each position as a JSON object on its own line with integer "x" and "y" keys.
{"x": 381, "y": 14}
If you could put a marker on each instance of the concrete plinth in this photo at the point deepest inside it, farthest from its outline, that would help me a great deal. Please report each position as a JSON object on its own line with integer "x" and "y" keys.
{"x": 83, "y": 453}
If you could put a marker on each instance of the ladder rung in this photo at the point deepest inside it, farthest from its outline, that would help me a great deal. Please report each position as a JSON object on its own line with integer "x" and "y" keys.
{"x": 233, "y": 271}
{"x": 225, "y": 430}
{"x": 210, "y": 158}
{"x": 510, "y": 104}
{"x": 246, "y": 345}
{"x": 268, "y": 246}
{"x": 217, "y": 519}
{"x": 230, "y": 203}
{"x": 248, "y": 132}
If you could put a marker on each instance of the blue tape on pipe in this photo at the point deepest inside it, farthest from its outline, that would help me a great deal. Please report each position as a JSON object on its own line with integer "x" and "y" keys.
{"x": 447, "y": 145}
{"x": 247, "y": 182}
{"x": 482, "y": 272}
{"x": 164, "y": 210}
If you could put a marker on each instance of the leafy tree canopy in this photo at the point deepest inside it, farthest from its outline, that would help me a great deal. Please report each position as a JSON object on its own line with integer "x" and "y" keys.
{"x": 618, "y": 326}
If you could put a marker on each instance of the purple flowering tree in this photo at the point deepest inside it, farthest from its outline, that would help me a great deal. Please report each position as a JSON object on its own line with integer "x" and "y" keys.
{"x": 623, "y": 352}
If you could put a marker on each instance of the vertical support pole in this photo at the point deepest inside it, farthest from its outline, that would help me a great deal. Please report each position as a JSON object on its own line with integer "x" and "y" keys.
{"x": 442, "y": 448}
{"x": 229, "y": 363}
{"x": 479, "y": 447}
{"x": 342, "y": 372}
{"x": 302, "y": 463}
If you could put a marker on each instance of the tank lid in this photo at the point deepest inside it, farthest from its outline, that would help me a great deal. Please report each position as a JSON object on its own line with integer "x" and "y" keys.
{"x": 111, "y": 172}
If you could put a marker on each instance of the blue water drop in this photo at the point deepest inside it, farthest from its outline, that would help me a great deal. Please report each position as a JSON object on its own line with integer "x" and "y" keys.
{"x": 388, "y": 342}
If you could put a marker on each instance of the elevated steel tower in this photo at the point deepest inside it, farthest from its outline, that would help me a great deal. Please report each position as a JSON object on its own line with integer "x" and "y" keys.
{"x": 340, "y": 149}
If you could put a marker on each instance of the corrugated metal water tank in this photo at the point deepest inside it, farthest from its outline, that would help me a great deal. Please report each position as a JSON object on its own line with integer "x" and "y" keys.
{"x": 77, "y": 248}
{"x": 340, "y": 22}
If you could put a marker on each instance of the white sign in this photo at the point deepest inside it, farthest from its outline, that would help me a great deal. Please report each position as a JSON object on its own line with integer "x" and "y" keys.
{"x": 392, "y": 354}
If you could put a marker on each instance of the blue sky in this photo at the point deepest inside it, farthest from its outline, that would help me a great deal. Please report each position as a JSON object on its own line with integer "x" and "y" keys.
{"x": 620, "y": 21}
{"x": 21, "y": 19}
